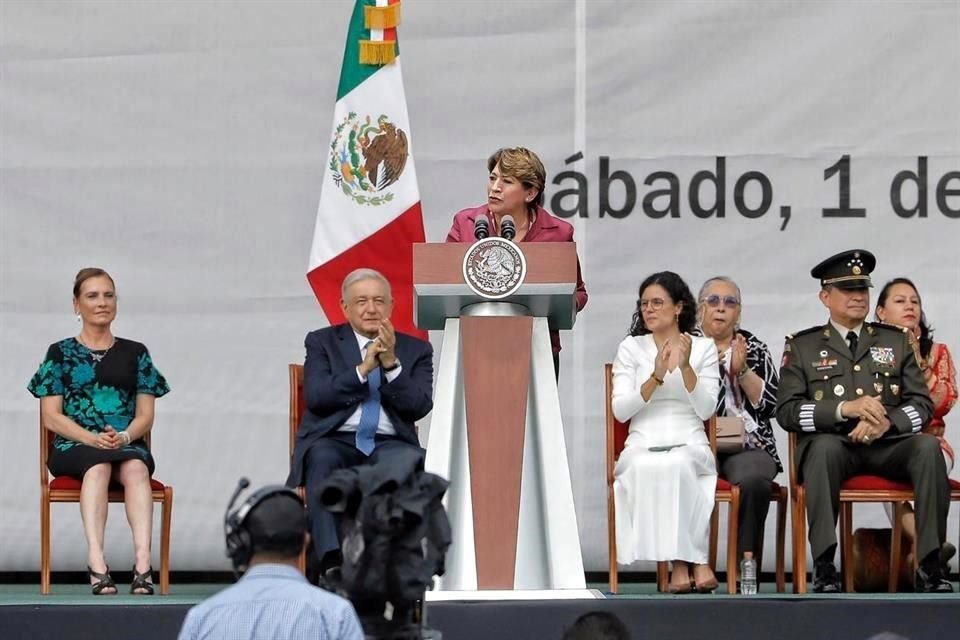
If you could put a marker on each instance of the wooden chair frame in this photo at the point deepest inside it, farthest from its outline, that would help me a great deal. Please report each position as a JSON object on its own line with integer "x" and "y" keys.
{"x": 848, "y": 497}
{"x": 725, "y": 493}
{"x": 160, "y": 493}
{"x": 295, "y": 372}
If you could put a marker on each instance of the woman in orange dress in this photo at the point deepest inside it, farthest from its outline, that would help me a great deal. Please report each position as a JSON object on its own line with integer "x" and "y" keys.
{"x": 899, "y": 304}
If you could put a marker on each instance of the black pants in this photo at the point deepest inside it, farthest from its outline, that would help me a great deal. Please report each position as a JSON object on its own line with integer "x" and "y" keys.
{"x": 752, "y": 470}
{"x": 828, "y": 460}
{"x": 326, "y": 455}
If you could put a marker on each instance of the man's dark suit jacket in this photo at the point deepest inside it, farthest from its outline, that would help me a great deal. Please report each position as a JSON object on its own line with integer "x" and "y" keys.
{"x": 333, "y": 391}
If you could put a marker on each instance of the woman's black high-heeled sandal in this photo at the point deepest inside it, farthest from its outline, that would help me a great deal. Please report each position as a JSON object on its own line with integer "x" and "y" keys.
{"x": 104, "y": 581}
{"x": 140, "y": 582}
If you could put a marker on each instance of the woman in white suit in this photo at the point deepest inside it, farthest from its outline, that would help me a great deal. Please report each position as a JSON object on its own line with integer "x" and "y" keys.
{"x": 666, "y": 382}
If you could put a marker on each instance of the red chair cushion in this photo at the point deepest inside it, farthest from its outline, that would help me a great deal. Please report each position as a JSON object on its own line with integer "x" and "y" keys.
{"x": 874, "y": 483}
{"x": 723, "y": 485}
{"x": 620, "y": 432}
{"x": 954, "y": 484}
{"x": 69, "y": 483}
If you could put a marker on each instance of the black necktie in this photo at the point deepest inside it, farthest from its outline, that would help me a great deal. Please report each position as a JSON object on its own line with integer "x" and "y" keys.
{"x": 852, "y": 341}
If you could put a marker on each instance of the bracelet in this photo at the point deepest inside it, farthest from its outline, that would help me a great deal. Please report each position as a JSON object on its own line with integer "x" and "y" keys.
{"x": 125, "y": 437}
{"x": 654, "y": 377}
{"x": 743, "y": 372}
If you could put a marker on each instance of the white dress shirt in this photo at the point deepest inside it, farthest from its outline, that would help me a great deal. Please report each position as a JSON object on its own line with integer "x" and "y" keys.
{"x": 384, "y": 427}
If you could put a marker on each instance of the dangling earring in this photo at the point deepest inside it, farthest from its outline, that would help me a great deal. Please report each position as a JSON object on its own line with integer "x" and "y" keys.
{"x": 78, "y": 317}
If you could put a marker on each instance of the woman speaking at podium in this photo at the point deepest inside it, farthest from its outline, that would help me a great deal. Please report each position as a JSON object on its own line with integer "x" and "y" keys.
{"x": 515, "y": 192}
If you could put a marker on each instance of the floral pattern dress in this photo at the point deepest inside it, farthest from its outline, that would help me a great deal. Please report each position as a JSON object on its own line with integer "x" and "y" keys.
{"x": 941, "y": 377}
{"x": 99, "y": 388}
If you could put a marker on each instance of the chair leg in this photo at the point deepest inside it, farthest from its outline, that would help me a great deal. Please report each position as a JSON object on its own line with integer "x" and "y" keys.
{"x": 846, "y": 545}
{"x": 896, "y": 536}
{"x": 165, "y": 518}
{"x": 758, "y": 554}
{"x": 302, "y": 561}
{"x": 612, "y": 577}
{"x": 781, "y": 539}
{"x": 714, "y": 526}
{"x": 733, "y": 515}
{"x": 662, "y": 573}
{"x": 44, "y": 541}
{"x": 799, "y": 541}
{"x": 302, "y": 558}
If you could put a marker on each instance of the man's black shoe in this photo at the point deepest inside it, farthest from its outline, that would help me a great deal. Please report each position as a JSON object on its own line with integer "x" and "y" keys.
{"x": 932, "y": 582}
{"x": 825, "y": 578}
{"x": 947, "y": 551}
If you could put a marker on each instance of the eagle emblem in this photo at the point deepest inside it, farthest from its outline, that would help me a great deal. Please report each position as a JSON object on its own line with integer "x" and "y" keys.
{"x": 366, "y": 157}
{"x": 494, "y": 268}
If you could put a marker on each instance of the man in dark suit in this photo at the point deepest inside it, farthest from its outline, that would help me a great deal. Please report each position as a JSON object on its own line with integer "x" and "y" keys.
{"x": 854, "y": 395}
{"x": 365, "y": 386}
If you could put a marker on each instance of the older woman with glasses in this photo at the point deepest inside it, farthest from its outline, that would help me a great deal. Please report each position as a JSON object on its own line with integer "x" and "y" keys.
{"x": 748, "y": 392}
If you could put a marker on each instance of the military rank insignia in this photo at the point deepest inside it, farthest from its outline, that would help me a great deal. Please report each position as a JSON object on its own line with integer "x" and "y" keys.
{"x": 883, "y": 355}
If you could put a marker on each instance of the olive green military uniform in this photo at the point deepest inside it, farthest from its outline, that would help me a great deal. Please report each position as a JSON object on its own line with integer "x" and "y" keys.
{"x": 817, "y": 373}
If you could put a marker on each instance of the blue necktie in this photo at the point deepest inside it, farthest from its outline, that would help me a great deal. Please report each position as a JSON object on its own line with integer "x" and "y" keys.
{"x": 369, "y": 413}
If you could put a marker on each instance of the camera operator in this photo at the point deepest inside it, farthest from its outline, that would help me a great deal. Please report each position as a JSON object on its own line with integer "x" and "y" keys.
{"x": 272, "y": 599}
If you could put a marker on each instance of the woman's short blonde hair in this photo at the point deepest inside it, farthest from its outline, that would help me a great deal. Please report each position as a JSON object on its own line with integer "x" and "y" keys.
{"x": 524, "y": 165}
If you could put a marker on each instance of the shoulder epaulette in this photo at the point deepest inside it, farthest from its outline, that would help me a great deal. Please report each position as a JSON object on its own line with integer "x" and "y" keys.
{"x": 888, "y": 327}
{"x": 804, "y": 332}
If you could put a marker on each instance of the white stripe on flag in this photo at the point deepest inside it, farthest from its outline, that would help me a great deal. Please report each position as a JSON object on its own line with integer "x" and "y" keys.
{"x": 341, "y": 223}
{"x": 377, "y": 34}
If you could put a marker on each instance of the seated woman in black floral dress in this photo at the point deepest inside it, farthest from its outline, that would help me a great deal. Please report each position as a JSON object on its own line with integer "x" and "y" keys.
{"x": 748, "y": 391}
{"x": 97, "y": 395}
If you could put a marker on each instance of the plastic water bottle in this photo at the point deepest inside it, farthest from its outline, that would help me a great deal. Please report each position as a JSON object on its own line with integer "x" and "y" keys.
{"x": 748, "y": 574}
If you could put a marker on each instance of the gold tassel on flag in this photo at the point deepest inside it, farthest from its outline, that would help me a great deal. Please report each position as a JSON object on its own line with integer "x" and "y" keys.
{"x": 378, "y": 52}
{"x": 381, "y": 17}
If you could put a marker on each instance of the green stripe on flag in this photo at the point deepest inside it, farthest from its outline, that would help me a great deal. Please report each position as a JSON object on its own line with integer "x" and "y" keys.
{"x": 353, "y": 73}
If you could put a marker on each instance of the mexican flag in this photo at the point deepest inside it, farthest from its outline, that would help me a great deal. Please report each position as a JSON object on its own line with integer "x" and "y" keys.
{"x": 369, "y": 212}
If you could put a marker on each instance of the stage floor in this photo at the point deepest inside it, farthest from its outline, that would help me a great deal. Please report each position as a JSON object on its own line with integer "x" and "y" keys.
{"x": 70, "y": 612}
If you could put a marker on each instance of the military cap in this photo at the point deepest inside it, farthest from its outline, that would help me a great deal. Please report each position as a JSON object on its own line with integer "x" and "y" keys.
{"x": 846, "y": 270}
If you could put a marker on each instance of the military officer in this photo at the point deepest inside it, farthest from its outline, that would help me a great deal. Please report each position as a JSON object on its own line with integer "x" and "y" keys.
{"x": 854, "y": 395}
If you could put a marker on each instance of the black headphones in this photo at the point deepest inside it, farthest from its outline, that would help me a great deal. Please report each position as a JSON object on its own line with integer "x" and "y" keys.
{"x": 238, "y": 538}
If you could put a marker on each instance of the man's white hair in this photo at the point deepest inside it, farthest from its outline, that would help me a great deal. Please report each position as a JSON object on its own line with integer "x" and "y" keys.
{"x": 358, "y": 275}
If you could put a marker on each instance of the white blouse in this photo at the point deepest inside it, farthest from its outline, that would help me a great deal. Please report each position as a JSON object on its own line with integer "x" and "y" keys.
{"x": 672, "y": 415}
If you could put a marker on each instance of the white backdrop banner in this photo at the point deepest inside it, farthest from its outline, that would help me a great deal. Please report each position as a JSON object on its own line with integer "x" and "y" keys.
{"x": 181, "y": 146}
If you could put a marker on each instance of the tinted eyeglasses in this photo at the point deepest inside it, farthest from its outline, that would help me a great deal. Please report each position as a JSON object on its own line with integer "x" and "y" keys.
{"x": 715, "y": 301}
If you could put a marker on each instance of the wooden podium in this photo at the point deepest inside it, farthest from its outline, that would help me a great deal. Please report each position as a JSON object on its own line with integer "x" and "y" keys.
{"x": 496, "y": 431}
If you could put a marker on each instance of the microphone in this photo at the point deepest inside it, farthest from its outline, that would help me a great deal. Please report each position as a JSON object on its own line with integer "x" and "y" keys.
{"x": 481, "y": 228}
{"x": 508, "y": 228}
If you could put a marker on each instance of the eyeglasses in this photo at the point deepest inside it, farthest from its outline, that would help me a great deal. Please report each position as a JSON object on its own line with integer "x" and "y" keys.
{"x": 652, "y": 303}
{"x": 714, "y": 301}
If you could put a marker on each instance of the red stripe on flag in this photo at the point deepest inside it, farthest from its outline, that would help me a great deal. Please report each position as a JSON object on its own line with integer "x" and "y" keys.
{"x": 389, "y": 251}
{"x": 391, "y": 33}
